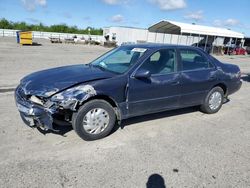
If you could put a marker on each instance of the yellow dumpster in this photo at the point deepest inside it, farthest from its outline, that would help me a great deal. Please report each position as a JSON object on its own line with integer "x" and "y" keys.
{"x": 25, "y": 37}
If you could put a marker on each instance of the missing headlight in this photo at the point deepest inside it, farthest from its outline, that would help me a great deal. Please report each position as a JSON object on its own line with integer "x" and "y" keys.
{"x": 36, "y": 100}
{"x": 69, "y": 98}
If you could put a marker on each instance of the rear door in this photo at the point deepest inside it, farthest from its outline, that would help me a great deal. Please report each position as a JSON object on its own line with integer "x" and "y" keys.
{"x": 198, "y": 76}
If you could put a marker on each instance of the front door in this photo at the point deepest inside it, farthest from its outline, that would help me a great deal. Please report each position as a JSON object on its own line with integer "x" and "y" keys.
{"x": 159, "y": 91}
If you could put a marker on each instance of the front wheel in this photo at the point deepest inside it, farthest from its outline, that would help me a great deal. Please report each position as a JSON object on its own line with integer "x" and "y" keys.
{"x": 94, "y": 120}
{"x": 213, "y": 101}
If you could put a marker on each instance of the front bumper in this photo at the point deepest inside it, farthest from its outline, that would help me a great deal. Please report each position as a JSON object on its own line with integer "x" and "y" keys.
{"x": 32, "y": 114}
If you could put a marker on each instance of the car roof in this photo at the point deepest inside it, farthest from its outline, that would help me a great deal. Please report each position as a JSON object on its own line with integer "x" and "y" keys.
{"x": 158, "y": 46}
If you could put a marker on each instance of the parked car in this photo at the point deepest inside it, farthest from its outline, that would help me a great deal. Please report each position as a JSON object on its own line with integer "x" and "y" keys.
{"x": 235, "y": 51}
{"x": 248, "y": 49}
{"x": 128, "y": 81}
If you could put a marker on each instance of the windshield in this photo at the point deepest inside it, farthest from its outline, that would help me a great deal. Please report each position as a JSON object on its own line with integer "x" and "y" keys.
{"x": 119, "y": 60}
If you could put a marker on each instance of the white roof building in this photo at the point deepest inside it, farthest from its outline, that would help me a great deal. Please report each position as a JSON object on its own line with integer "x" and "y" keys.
{"x": 172, "y": 32}
{"x": 173, "y": 27}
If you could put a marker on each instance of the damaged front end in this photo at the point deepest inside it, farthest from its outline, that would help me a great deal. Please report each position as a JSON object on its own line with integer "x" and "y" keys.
{"x": 37, "y": 111}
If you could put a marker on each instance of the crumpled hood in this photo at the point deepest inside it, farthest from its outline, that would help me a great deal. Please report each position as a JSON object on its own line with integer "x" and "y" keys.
{"x": 48, "y": 82}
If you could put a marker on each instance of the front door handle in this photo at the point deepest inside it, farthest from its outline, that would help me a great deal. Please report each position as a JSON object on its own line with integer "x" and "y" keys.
{"x": 175, "y": 83}
{"x": 212, "y": 78}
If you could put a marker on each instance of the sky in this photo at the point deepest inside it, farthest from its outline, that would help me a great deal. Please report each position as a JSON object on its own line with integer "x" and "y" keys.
{"x": 229, "y": 14}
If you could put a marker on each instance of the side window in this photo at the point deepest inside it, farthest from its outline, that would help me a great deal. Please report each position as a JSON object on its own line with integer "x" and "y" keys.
{"x": 161, "y": 62}
{"x": 193, "y": 60}
{"x": 155, "y": 56}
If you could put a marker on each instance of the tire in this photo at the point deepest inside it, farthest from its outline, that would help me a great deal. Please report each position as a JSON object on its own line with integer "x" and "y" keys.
{"x": 86, "y": 111}
{"x": 206, "y": 106}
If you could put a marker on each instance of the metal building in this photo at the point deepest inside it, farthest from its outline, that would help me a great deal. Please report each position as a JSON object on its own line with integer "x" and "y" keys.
{"x": 208, "y": 37}
{"x": 171, "y": 32}
{"x": 138, "y": 35}
{"x": 126, "y": 34}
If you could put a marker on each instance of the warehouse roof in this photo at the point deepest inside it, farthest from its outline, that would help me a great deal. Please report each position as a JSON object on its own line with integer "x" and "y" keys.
{"x": 173, "y": 27}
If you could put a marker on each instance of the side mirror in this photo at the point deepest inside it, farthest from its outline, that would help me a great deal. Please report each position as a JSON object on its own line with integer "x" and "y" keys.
{"x": 142, "y": 73}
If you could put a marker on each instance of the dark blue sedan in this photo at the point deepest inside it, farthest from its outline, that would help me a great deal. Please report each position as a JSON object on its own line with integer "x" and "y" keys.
{"x": 128, "y": 81}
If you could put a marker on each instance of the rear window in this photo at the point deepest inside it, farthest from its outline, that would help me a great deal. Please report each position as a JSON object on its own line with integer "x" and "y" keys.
{"x": 193, "y": 60}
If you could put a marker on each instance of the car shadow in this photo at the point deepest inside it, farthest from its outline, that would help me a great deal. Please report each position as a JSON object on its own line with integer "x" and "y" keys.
{"x": 58, "y": 130}
{"x": 149, "y": 117}
{"x": 246, "y": 77}
{"x": 63, "y": 129}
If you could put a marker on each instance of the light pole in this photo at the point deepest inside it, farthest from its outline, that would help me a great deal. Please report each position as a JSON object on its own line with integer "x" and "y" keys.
{"x": 89, "y": 32}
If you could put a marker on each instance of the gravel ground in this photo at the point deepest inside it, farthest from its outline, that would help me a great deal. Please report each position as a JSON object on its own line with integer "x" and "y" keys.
{"x": 186, "y": 148}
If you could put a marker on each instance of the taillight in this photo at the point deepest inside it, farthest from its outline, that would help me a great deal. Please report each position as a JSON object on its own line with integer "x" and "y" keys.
{"x": 238, "y": 74}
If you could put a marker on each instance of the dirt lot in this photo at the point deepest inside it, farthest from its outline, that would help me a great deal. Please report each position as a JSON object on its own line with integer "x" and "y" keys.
{"x": 185, "y": 147}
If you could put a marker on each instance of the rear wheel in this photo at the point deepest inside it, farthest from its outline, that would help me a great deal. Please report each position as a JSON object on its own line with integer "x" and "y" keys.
{"x": 94, "y": 120}
{"x": 213, "y": 101}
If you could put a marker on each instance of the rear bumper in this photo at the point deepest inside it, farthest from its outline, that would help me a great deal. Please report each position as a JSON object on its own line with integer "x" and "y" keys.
{"x": 234, "y": 87}
{"x": 32, "y": 114}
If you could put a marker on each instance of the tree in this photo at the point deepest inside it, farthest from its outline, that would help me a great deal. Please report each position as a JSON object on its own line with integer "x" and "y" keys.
{"x": 5, "y": 24}
{"x": 61, "y": 28}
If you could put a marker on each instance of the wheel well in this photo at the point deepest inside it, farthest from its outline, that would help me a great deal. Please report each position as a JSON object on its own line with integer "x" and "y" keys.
{"x": 103, "y": 97}
{"x": 109, "y": 100}
{"x": 223, "y": 86}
